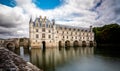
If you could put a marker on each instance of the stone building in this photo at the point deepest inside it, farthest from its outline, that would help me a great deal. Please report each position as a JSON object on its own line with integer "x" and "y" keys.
{"x": 46, "y": 33}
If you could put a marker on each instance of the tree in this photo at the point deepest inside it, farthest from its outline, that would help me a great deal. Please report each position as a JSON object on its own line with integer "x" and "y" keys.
{"x": 108, "y": 34}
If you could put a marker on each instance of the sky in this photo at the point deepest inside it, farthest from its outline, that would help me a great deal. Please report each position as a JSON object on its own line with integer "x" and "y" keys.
{"x": 15, "y": 14}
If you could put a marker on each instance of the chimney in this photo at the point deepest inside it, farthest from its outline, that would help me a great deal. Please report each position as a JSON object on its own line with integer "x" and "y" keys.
{"x": 90, "y": 28}
{"x": 53, "y": 21}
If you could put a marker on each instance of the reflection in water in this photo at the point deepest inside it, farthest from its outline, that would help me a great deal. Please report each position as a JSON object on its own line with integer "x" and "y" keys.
{"x": 51, "y": 58}
{"x": 24, "y": 53}
{"x": 21, "y": 51}
{"x": 70, "y": 59}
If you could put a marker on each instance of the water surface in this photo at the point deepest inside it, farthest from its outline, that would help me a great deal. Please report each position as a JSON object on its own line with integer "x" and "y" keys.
{"x": 70, "y": 59}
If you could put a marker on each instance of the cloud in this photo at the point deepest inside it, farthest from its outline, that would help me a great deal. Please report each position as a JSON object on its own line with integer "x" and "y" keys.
{"x": 12, "y": 20}
{"x": 71, "y": 12}
{"x": 108, "y": 12}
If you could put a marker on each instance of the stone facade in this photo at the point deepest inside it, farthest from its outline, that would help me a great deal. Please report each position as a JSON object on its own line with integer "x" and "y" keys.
{"x": 43, "y": 32}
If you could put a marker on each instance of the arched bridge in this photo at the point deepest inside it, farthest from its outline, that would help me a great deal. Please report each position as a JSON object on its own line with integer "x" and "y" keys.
{"x": 10, "y": 44}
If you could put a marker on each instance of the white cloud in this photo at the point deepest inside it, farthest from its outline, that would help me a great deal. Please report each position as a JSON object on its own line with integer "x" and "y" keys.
{"x": 109, "y": 12}
{"x": 71, "y": 12}
{"x": 77, "y": 11}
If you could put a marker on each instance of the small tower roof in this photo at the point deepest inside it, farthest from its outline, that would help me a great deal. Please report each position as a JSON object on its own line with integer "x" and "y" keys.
{"x": 30, "y": 20}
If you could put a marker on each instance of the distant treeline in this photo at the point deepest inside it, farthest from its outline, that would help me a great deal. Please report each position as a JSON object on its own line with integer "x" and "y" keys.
{"x": 107, "y": 34}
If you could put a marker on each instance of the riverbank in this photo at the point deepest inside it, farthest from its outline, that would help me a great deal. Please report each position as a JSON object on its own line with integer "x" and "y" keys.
{"x": 10, "y": 61}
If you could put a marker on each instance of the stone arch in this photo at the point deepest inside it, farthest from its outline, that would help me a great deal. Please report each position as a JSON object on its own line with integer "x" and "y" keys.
{"x": 84, "y": 43}
{"x": 60, "y": 43}
{"x": 10, "y": 46}
{"x": 91, "y": 44}
{"x": 75, "y": 43}
{"x": 67, "y": 43}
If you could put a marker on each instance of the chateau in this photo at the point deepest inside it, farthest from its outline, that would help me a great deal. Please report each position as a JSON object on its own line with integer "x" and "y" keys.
{"x": 46, "y": 33}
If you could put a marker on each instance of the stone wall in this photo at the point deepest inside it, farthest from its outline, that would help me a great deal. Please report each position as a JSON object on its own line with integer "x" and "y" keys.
{"x": 9, "y": 61}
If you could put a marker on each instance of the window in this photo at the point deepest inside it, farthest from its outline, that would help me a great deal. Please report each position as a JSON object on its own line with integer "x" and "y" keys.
{"x": 80, "y": 37}
{"x": 72, "y": 38}
{"x": 49, "y": 31}
{"x": 91, "y": 38}
{"x": 43, "y": 25}
{"x": 51, "y": 26}
{"x": 46, "y": 24}
{"x": 61, "y": 28}
{"x": 76, "y": 33}
{"x": 43, "y": 29}
{"x": 87, "y": 38}
{"x": 67, "y": 37}
{"x": 63, "y": 32}
{"x": 83, "y": 33}
{"x": 37, "y": 36}
{"x": 65, "y": 28}
{"x": 36, "y": 30}
{"x": 83, "y": 37}
{"x": 49, "y": 36}
{"x": 82, "y": 30}
{"x": 43, "y": 35}
{"x": 37, "y": 24}
{"x": 91, "y": 34}
{"x": 76, "y": 37}
{"x": 40, "y": 24}
{"x": 70, "y": 29}
{"x": 74, "y": 29}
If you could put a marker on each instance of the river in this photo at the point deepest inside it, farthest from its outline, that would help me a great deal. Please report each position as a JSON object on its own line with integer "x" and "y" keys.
{"x": 70, "y": 59}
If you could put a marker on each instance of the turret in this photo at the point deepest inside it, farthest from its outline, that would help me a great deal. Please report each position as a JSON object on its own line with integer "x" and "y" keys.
{"x": 30, "y": 20}
{"x": 90, "y": 28}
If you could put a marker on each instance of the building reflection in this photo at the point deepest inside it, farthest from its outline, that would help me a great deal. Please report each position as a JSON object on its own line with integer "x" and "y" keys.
{"x": 55, "y": 57}
{"x": 23, "y": 52}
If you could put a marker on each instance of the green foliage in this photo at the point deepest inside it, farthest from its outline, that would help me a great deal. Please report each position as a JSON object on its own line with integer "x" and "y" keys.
{"x": 109, "y": 34}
